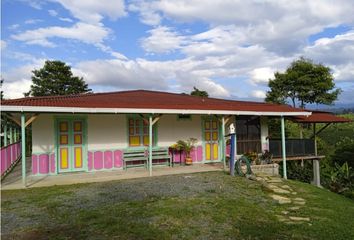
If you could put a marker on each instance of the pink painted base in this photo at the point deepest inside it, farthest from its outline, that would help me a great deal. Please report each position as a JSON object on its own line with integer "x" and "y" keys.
{"x": 100, "y": 160}
{"x": 43, "y": 163}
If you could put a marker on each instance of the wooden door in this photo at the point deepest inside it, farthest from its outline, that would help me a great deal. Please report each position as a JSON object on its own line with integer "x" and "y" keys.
{"x": 70, "y": 145}
{"x": 211, "y": 138}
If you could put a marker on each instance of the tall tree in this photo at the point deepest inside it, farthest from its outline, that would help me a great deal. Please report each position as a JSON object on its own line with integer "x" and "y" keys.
{"x": 200, "y": 93}
{"x": 56, "y": 78}
{"x": 1, "y": 91}
{"x": 303, "y": 82}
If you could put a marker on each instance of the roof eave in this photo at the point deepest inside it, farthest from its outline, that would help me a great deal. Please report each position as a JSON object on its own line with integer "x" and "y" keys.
{"x": 42, "y": 109}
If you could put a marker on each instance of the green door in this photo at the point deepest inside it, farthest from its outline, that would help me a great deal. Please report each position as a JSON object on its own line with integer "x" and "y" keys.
{"x": 71, "y": 146}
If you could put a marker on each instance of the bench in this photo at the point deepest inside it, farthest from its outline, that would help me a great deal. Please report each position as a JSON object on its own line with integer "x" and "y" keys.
{"x": 142, "y": 155}
{"x": 130, "y": 156}
{"x": 161, "y": 154}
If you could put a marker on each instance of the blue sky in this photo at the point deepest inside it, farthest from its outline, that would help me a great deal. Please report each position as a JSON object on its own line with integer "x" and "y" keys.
{"x": 229, "y": 48}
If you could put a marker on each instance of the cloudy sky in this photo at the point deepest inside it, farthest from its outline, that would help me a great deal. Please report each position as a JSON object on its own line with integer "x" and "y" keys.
{"x": 229, "y": 48}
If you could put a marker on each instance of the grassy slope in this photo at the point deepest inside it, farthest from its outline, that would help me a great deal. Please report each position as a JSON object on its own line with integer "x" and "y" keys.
{"x": 200, "y": 206}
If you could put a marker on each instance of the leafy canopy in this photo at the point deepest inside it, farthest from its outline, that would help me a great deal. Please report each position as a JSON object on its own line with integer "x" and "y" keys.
{"x": 56, "y": 78}
{"x": 303, "y": 82}
{"x": 200, "y": 93}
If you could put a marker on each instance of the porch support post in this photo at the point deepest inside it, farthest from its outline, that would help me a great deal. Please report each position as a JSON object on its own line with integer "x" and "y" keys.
{"x": 23, "y": 146}
{"x": 223, "y": 143}
{"x": 283, "y": 146}
{"x": 316, "y": 162}
{"x": 5, "y": 134}
{"x": 11, "y": 135}
{"x": 150, "y": 145}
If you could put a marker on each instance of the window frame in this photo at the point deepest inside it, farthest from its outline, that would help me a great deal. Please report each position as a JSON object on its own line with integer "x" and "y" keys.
{"x": 141, "y": 131}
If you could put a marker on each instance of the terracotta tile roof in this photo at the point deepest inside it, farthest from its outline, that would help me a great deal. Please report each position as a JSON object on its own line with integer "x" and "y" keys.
{"x": 147, "y": 100}
{"x": 321, "y": 117}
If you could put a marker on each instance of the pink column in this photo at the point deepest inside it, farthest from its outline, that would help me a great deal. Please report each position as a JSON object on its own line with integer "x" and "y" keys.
{"x": 108, "y": 159}
{"x": 90, "y": 161}
{"x": 118, "y": 159}
{"x": 44, "y": 163}
{"x": 34, "y": 164}
{"x": 98, "y": 160}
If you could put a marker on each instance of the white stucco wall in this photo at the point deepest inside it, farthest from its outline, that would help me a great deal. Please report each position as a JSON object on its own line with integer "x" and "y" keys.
{"x": 110, "y": 131}
{"x": 107, "y": 132}
{"x": 43, "y": 134}
{"x": 170, "y": 130}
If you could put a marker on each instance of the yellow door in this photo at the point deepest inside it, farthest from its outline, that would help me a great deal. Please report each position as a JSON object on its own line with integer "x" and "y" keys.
{"x": 211, "y": 138}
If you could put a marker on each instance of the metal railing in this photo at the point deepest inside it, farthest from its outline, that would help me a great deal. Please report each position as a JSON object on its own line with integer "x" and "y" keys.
{"x": 294, "y": 147}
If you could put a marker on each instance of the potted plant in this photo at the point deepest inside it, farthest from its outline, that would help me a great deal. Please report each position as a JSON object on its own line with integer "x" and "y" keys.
{"x": 187, "y": 147}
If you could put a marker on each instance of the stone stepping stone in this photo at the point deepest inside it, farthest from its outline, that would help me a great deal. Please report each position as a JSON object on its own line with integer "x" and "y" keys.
{"x": 280, "y": 199}
{"x": 299, "y": 203}
{"x": 294, "y": 208}
{"x": 285, "y": 212}
{"x": 274, "y": 180}
{"x": 299, "y": 199}
{"x": 276, "y": 189}
{"x": 286, "y": 187}
{"x": 302, "y": 219}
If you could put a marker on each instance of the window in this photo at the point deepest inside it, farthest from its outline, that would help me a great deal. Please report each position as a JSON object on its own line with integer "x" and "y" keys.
{"x": 139, "y": 132}
{"x": 184, "y": 117}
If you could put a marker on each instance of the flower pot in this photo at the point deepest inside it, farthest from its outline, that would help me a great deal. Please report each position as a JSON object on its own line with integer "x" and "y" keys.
{"x": 189, "y": 161}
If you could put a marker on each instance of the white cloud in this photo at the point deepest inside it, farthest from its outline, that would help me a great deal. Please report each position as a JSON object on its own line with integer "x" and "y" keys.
{"x": 92, "y": 11}
{"x": 80, "y": 31}
{"x": 261, "y": 75}
{"x": 3, "y": 45}
{"x": 278, "y": 26}
{"x": 18, "y": 80}
{"x": 33, "y": 21}
{"x": 258, "y": 94}
{"x": 162, "y": 40}
{"x": 52, "y": 12}
{"x": 65, "y": 19}
{"x": 14, "y": 26}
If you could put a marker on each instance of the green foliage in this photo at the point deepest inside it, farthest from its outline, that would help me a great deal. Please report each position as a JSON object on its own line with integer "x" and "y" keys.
{"x": 303, "y": 82}
{"x": 340, "y": 179}
{"x": 187, "y": 146}
{"x": 344, "y": 152}
{"x": 199, "y": 93}
{"x": 56, "y": 78}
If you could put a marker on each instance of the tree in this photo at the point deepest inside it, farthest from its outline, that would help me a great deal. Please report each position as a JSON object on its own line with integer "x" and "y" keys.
{"x": 1, "y": 91}
{"x": 56, "y": 78}
{"x": 303, "y": 82}
{"x": 200, "y": 93}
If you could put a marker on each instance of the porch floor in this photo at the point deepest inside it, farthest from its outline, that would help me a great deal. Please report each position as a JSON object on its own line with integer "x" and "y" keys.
{"x": 14, "y": 178}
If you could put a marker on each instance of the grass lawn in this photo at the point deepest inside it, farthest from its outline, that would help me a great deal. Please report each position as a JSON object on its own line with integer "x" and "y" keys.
{"x": 210, "y": 205}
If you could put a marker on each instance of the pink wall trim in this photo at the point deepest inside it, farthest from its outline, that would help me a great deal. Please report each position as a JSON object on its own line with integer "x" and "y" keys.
{"x": 9, "y": 155}
{"x": 3, "y": 161}
{"x": 98, "y": 160}
{"x": 90, "y": 161}
{"x": 34, "y": 164}
{"x": 108, "y": 159}
{"x": 118, "y": 159}
{"x": 52, "y": 163}
{"x": 43, "y": 164}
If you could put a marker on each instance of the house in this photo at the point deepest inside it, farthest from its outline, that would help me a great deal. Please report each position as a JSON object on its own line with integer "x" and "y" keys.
{"x": 91, "y": 132}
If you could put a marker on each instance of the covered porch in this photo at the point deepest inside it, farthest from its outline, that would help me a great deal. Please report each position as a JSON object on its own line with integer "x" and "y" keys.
{"x": 14, "y": 179}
